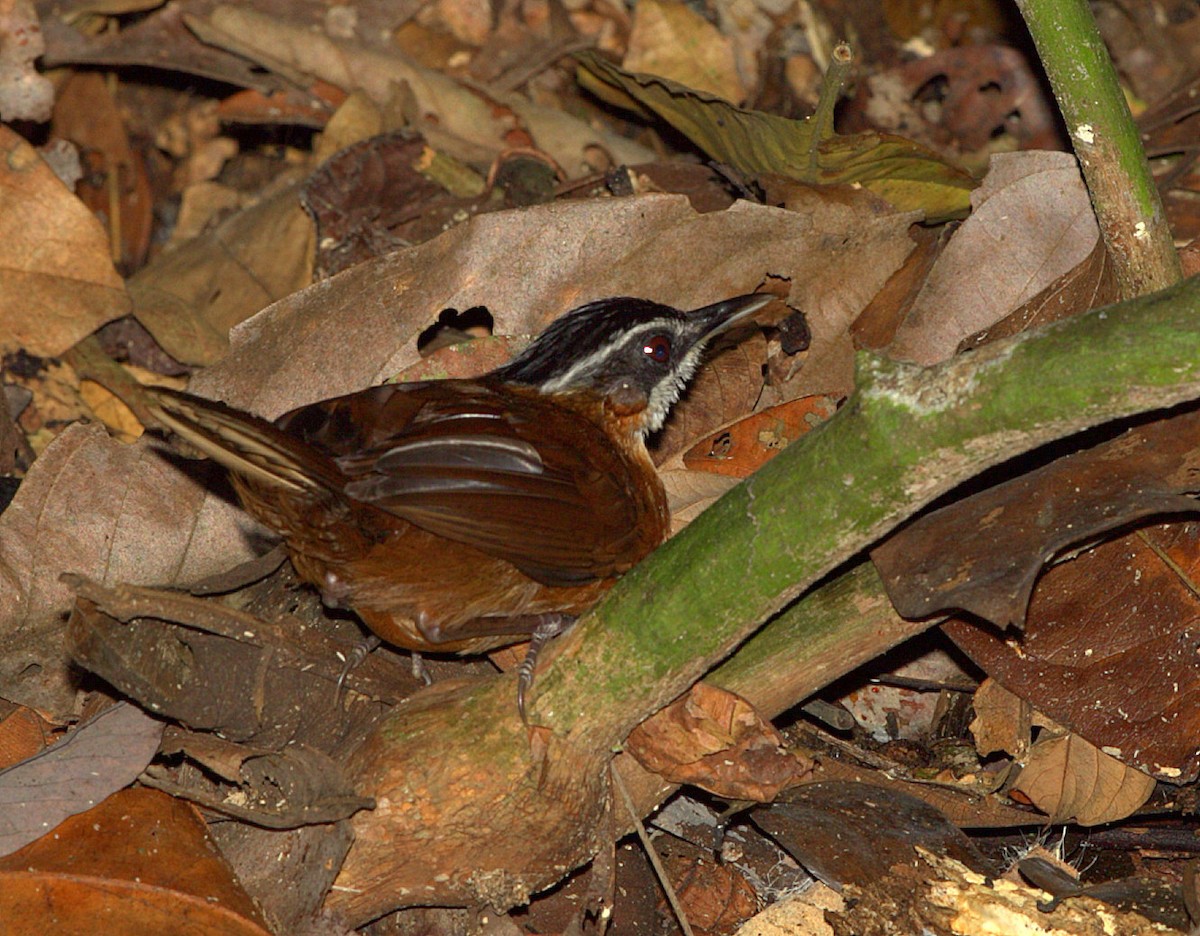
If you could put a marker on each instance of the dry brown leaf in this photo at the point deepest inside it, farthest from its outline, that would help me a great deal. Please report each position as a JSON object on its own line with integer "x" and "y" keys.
{"x": 1032, "y": 223}
{"x": 151, "y": 40}
{"x": 717, "y": 741}
{"x": 1003, "y": 721}
{"x": 671, "y": 39}
{"x": 1071, "y": 780}
{"x": 57, "y": 281}
{"x": 190, "y": 297}
{"x": 23, "y": 732}
{"x": 1091, "y": 284}
{"x": 112, "y": 512}
{"x": 141, "y": 862}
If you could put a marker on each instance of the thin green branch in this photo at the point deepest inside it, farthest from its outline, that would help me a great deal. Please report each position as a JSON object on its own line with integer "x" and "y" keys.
{"x": 1124, "y": 196}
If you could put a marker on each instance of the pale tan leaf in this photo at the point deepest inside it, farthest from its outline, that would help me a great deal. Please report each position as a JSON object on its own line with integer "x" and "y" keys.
{"x": 57, "y": 280}
{"x": 113, "y": 512}
{"x": 1032, "y": 222}
{"x": 1071, "y": 780}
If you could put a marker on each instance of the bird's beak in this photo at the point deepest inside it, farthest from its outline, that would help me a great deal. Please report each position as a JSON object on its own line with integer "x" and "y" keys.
{"x": 716, "y": 318}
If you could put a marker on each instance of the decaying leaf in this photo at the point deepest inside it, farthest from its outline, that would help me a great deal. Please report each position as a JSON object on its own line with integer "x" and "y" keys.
{"x": 1073, "y": 781}
{"x": 717, "y": 741}
{"x": 1108, "y": 652}
{"x": 853, "y": 833}
{"x": 1003, "y": 535}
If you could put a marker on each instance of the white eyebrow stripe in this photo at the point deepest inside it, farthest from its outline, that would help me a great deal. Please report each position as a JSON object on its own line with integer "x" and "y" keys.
{"x": 565, "y": 379}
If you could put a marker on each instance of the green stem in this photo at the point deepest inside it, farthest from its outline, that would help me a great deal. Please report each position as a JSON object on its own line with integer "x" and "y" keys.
{"x": 1125, "y": 199}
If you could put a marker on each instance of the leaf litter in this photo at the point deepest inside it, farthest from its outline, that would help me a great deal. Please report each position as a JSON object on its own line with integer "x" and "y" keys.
{"x": 378, "y": 172}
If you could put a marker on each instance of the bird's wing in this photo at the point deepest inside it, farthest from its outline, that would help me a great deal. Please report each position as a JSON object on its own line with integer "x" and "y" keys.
{"x": 471, "y": 462}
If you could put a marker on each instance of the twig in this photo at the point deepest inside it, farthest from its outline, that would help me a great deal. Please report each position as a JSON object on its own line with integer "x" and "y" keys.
{"x": 1124, "y": 196}
{"x": 652, "y": 854}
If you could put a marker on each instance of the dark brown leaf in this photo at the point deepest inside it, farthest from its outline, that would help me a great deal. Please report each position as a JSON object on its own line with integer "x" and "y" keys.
{"x": 854, "y": 833}
{"x": 1000, "y": 538}
{"x": 1109, "y": 652}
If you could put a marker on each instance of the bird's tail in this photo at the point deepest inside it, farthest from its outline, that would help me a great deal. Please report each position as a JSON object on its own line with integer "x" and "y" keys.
{"x": 247, "y": 445}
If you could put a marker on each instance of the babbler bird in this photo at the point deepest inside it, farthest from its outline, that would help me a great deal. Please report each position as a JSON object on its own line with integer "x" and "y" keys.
{"x": 463, "y": 515}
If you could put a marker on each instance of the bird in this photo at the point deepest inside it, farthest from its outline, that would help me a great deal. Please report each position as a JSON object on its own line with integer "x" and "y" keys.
{"x": 462, "y": 515}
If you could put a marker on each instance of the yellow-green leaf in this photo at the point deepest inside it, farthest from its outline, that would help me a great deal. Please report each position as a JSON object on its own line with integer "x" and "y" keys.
{"x": 908, "y": 175}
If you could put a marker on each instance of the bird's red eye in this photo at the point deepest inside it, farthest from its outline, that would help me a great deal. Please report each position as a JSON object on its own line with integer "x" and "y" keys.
{"x": 658, "y": 349}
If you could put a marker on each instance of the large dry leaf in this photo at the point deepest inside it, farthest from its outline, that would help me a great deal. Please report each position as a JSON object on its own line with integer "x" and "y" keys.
{"x": 140, "y": 862}
{"x": 1108, "y": 653}
{"x": 57, "y": 281}
{"x": 115, "y": 513}
{"x": 1091, "y": 284}
{"x": 1032, "y": 223}
{"x": 753, "y": 142}
{"x": 1003, "y": 535}
{"x": 1073, "y": 781}
{"x": 101, "y": 756}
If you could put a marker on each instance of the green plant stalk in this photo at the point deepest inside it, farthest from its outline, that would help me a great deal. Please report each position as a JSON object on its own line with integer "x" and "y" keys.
{"x": 832, "y": 87}
{"x": 1124, "y": 197}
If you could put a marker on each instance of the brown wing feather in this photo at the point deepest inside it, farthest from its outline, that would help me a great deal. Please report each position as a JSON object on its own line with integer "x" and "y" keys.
{"x": 469, "y": 461}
